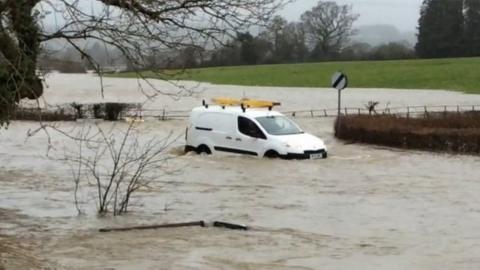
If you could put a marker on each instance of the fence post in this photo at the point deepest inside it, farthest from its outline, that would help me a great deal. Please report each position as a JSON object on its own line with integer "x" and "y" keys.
{"x": 408, "y": 112}
{"x": 163, "y": 115}
{"x": 359, "y": 111}
{"x": 458, "y": 108}
{"x": 311, "y": 113}
{"x": 325, "y": 112}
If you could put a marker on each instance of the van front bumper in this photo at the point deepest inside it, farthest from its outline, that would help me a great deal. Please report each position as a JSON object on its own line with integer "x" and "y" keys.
{"x": 305, "y": 154}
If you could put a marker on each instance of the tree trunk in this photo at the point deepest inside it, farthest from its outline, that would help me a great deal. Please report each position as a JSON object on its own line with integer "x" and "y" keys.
{"x": 24, "y": 56}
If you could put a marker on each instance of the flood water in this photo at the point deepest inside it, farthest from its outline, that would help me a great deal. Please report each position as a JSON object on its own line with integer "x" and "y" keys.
{"x": 364, "y": 207}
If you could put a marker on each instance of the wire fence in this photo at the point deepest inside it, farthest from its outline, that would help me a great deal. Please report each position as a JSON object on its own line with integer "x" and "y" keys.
{"x": 68, "y": 113}
{"x": 408, "y": 111}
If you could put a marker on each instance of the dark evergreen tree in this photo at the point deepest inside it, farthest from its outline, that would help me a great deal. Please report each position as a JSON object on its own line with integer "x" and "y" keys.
{"x": 440, "y": 29}
{"x": 472, "y": 27}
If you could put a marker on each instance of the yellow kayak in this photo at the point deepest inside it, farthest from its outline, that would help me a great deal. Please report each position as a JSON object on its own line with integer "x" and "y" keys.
{"x": 249, "y": 103}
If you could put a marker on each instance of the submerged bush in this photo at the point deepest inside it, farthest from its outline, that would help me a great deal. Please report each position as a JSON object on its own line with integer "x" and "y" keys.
{"x": 98, "y": 110}
{"x": 35, "y": 114}
{"x": 446, "y": 132}
{"x": 70, "y": 112}
{"x": 78, "y": 109}
{"x": 113, "y": 110}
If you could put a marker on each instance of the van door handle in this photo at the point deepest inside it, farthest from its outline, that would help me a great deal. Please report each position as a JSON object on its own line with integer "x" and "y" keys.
{"x": 228, "y": 138}
{"x": 238, "y": 139}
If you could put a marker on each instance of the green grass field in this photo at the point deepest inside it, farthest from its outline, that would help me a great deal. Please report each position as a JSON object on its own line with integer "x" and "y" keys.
{"x": 461, "y": 74}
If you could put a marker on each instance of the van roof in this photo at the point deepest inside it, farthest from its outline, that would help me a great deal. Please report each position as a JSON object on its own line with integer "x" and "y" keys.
{"x": 250, "y": 112}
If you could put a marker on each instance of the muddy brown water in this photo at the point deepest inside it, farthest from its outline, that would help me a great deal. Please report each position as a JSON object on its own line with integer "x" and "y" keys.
{"x": 362, "y": 208}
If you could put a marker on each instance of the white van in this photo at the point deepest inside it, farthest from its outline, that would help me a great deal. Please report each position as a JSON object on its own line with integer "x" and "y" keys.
{"x": 256, "y": 132}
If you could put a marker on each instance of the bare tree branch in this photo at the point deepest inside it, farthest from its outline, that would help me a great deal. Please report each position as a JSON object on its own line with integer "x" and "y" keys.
{"x": 118, "y": 165}
{"x": 133, "y": 27}
{"x": 328, "y": 27}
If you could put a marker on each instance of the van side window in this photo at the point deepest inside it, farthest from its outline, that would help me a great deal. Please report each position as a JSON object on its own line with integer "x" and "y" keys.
{"x": 249, "y": 128}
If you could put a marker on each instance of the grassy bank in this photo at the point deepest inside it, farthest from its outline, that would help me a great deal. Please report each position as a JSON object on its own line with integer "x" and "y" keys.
{"x": 461, "y": 74}
{"x": 444, "y": 132}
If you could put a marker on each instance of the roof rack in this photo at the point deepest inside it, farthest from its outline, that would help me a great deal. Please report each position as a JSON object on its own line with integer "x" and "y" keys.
{"x": 245, "y": 103}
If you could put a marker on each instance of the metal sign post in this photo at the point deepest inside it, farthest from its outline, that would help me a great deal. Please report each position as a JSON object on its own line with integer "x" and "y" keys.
{"x": 339, "y": 103}
{"x": 339, "y": 82}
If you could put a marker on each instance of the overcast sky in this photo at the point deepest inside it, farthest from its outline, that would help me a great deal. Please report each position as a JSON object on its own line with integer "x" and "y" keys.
{"x": 403, "y": 14}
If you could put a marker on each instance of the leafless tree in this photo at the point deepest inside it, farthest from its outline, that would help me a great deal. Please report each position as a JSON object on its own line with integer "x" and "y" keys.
{"x": 117, "y": 166}
{"x": 328, "y": 27}
{"x": 133, "y": 27}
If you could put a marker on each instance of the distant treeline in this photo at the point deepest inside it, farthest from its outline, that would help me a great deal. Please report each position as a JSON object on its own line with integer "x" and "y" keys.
{"x": 64, "y": 66}
{"x": 446, "y": 29}
{"x": 324, "y": 33}
{"x": 250, "y": 50}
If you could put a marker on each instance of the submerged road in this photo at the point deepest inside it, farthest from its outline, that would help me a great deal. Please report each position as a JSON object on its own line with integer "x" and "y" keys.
{"x": 364, "y": 207}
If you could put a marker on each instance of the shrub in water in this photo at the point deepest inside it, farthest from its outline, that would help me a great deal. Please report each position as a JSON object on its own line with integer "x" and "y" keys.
{"x": 98, "y": 111}
{"x": 78, "y": 110}
{"x": 113, "y": 110}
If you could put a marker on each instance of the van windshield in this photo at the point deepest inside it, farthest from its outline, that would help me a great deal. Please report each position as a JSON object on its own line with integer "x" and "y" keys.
{"x": 278, "y": 125}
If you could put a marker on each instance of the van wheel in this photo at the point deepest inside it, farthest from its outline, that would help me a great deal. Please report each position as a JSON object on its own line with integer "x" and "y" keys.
{"x": 189, "y": 148}
{"x": 271, "y": 154}
{"x": 203, "y": 149}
